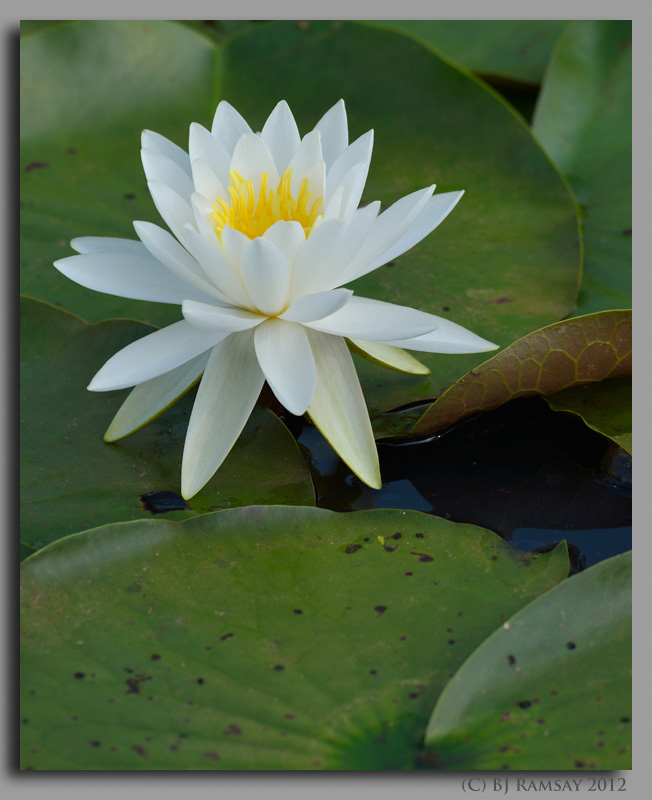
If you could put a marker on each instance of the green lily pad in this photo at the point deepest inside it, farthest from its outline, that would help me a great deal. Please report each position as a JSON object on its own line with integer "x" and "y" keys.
{"x": 71, "y": 479}
{"x": 88, "y": 89}
{"x": 584, "y": 120}
{"x": 505, "y": 262}
{"x": 569, "y": 353}
{"x": 549, "y": 690}
{"x": 511, "y": 49}
{"x": 606, "y": 407}
{"x": 257, "y": 638}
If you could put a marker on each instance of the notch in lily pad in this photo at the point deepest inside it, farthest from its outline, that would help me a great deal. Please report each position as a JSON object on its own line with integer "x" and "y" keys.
{"x": 163, "y": 501}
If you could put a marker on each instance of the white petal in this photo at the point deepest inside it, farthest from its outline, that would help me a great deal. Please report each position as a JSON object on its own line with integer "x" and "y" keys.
{"x": 154, "y": 354}
{"x": 353, "y": 184}
{"x": 391, "y": 357}
{"x": 307, "y": 155}
{"x": 227, "y": 394}
{"x": 164, "y": 247}
{"x": 311, "y": 266}
{"x": 449, "y": 337}
{"x": 228, "y": 126}
{"x": 316, "y": 306}
{"x": 151, "y": 398}
{"x": 107, "y": 244}
{"x": 233, "y": 245}
{"x": 358, "y": 152}
{"x": 251, "y": 158}
{"x": 206, "y": 181}
{"x": 136, "y": 277}
{"x": 174, "y": 209}
{"x": 288, "y": 236}
{"x": 344, "y": 248}
{"x": 338, "y": 408}
{"x": 202, "y": 210}
{"x": 219, "y": 270}
{"x": 387, "y": 230}
{"x": 266, "y": 275}
{"x": 285, "y": 357}
{"x": 436, "y": 210}
{"x": 206, "y": 147}
{"x": 362, "y": 318}
{"x": 159, "y": 144}
{"x": 161, "y": 168}
{"x": 281, "y": 135}
{"x": 334, "y": 133}
{"x": 333, "y": 209}
{"x": 216, "y": 318}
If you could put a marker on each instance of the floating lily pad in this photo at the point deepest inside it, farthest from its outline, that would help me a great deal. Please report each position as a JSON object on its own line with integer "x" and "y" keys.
{"x": 257, "y": 638}
{"x": 551, "y": 689}
{"x": 606, "y": 407}
{"x": 512, "y": 49}
{"x": 88, "y": 89}
{"x": 584, "y": 120}
{"x": 504, "y": 263}
{"x": 71, "y": 479}
{"x": 569, "y": 353}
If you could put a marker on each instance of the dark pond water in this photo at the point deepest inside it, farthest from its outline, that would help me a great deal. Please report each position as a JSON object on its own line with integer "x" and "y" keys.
{"x": 530, "y": 474}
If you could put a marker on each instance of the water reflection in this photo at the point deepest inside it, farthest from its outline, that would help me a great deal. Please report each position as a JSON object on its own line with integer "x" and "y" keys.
{"x": 522, "y": 467}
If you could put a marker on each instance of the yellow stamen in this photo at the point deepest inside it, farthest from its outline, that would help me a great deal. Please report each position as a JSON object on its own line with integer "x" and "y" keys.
{"x": 253, "y": 215}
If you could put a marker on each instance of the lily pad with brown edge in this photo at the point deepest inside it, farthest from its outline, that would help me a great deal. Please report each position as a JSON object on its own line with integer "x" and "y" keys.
{"x": 505, "y": 262}
{"x": 259, "y": 638}
{"x": 606, "y": 407}
{"x": 551, "y": 688}
{"x": 572, "y": 352}
{"x": 584, "y": 121}
{"x": 71, "y": 479}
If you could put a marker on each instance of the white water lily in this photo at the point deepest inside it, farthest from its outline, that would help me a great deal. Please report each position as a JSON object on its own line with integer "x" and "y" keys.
{"x": 266, "y": 230}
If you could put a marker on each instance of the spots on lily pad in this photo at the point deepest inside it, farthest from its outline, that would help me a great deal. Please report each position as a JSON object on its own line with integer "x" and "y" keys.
{"x": 233, "y": 730}
{"x": 134, "y": 682}
{"x": 380, "y": 609}
{"x": 353, "y": 548}
{"x": 212, "y": 755}
{"x": 423, "y": 557}
{"x": 36, "y": 165}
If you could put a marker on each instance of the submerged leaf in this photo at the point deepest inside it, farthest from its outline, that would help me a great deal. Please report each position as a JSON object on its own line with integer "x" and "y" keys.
{"x": 606, "y": 407}
{"x": 569, "y": 353}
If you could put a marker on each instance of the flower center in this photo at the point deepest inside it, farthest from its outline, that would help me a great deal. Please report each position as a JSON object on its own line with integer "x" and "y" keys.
{"x": 253, "y": 215}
